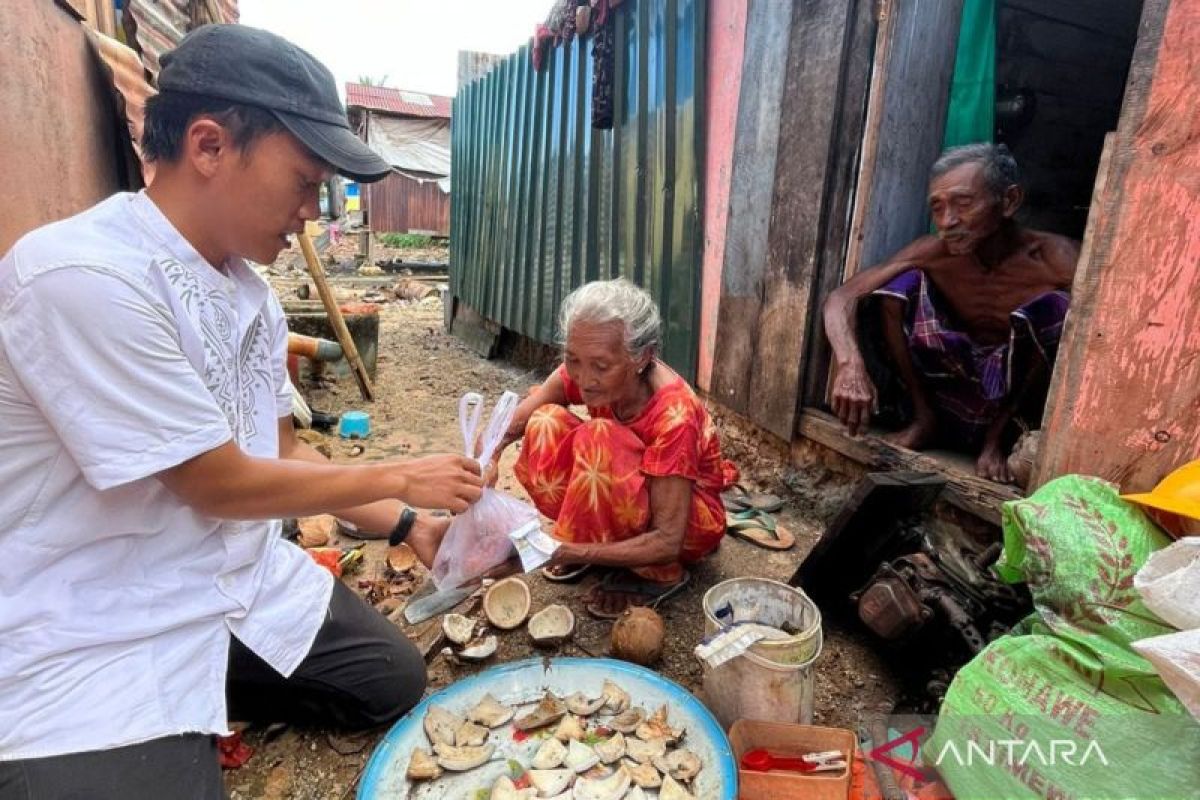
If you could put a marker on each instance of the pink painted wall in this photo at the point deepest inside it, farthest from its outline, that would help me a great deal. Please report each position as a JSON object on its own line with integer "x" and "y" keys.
{"x": 726, "y": 46}
{"x": 1126, "y": 400}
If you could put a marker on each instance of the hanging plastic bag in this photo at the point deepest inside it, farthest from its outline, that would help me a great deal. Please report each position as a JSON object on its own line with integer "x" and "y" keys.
{"x": 478, "y": 539}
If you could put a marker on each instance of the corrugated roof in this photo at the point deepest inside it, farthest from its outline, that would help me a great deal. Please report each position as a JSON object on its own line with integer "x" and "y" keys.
{"x": 161, "y": 24}
{"x": 397, "y": 101}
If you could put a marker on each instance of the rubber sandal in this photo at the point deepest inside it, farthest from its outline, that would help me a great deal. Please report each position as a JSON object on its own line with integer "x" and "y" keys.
{"x": 760, "y": 528}
{"x": 738, "y": 499}
{"x": 629, "y": 584}
{"x": 576, "y": 572}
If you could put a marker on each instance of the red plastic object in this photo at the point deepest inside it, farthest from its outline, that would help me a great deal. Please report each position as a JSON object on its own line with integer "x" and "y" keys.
{"x": 359, "y": 308}
{"x": 327, "y": 557}
{"x": 761, "y": 760}
{"x": 232, "y": 751}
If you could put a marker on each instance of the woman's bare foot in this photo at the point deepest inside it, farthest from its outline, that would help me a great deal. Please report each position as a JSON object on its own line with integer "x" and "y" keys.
{"x": 610, "y": 598}
{"x": 917, "y": 435}
{"x": 612, "y": 604}
{"x": 560, "y": 571}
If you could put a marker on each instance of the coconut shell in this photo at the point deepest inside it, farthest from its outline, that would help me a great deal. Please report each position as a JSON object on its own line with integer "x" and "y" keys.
{"x": 401, "y": 558}
{"x": 316, "y": 531}
{"x": 507, "y": 603}
{"x": 638, "y": 636}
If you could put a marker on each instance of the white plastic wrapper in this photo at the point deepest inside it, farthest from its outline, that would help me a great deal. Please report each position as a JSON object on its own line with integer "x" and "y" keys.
{"x": 1169, "y": 583}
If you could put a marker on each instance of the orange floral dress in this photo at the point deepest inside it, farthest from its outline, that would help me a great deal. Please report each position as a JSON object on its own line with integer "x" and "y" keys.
{"x": 590, "y": 476}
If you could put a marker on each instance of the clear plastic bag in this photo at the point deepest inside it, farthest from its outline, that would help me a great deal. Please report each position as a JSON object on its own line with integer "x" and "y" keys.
{"x": 478, "y": 539}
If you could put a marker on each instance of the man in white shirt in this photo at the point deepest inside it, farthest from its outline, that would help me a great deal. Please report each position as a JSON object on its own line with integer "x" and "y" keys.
{"x": 147, "y": 452}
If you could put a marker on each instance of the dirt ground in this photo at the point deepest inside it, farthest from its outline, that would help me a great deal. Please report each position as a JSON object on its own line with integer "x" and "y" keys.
{"x": 422, "y": 371}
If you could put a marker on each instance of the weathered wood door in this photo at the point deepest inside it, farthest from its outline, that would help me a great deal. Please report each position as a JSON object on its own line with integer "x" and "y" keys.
{"x": 910, "y": 76}
{"x": 799, "y": 123}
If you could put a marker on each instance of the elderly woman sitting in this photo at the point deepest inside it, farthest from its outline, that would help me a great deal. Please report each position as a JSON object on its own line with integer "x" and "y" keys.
{"x": 638, "y": 485}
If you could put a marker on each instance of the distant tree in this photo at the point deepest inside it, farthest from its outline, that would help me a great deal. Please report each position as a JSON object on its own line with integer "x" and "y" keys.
{"x": 367, "y": 80}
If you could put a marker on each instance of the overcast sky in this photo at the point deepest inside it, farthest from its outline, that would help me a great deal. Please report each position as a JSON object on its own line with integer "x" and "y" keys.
{"x": 415, "y": 43}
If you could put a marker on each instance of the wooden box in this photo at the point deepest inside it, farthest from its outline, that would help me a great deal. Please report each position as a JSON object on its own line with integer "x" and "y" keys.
{"x": 791, "y": 740}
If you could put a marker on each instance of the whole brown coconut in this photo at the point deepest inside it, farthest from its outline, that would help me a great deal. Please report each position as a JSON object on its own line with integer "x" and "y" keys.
{"x": 637, "y": 636}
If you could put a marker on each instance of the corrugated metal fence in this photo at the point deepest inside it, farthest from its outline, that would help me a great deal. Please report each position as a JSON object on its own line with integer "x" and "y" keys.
{"x": 541, "y": 202}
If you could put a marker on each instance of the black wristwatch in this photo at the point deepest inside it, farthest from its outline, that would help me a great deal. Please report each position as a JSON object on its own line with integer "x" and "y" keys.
{"x": 403, "y": 527}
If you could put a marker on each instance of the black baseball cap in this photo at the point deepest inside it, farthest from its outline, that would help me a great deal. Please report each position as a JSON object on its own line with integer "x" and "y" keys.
{"x": 257, "y": 68}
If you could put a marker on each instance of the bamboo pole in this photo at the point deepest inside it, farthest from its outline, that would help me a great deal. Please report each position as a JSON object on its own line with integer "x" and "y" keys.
{"x": 335, "y": 316}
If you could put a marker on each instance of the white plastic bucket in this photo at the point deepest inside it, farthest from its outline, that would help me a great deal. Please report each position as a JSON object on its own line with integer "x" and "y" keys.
{"x": 773, "y": 681}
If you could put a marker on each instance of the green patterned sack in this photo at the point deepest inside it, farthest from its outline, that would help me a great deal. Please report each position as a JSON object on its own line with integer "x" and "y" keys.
{"x": 1062, "y": 706}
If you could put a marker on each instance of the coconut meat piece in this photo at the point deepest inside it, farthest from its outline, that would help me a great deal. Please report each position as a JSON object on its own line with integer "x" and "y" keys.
{"x": 644, "y": 751}
{"x": 616, "y": 699}
{"x": 548, "y": 711}
{"x": 682, "y": 765}
{"x": 490, "y": 712}
{"x": 580, "y": 705}
{"x": 611, "y": 748}
{"x": 550, "y": 755}
{"x": 671, "y": 790}
{"x": 470, "y": 735}
{"x": 612, "y": 787}
{"x": 422, "y": 766}
{"x": 550, "y": 782}
{"x": 644, "y": 775}
{"x": 458, "y": 629}
{"x": 461, "y": 759}
{"x": 505, "y": 789}
{"x": 656, "y": 727}
{"x": 580, "y": 757}
{"x": 570, "y": 728}
{"x": 627, "y": 721}
{"x": 441, "y": 726}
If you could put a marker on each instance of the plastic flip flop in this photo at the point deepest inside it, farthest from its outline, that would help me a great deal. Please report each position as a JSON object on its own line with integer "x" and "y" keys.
{"x": 574, "y": 573}
{"x": 760, "y": 528}
{"x": 739, "y": 499}
{"x": 629, "y": 584}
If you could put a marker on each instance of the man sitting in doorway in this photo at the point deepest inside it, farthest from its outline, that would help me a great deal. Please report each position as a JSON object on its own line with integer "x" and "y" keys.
{"x": 971, "y": 316}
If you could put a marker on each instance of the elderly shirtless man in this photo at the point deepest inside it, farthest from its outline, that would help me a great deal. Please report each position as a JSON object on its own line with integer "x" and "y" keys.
{"x": 971, "y": 315}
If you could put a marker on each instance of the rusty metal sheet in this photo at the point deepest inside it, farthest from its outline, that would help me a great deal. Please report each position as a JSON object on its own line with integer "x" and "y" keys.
{"x": 129, "y": 80}
{"x": 161, "y": 24}
{"x": 397, "y": 101}
{"x": 402, "y": 203}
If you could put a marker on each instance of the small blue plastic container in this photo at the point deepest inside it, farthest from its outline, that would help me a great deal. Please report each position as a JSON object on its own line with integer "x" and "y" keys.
{"x": 354, "y": 425}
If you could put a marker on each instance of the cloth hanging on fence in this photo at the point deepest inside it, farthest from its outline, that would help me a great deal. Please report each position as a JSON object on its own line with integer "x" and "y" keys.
{"x": 603, "y": 53}
{"x": 542, "y": 37}
{"x": 561, "y": 20}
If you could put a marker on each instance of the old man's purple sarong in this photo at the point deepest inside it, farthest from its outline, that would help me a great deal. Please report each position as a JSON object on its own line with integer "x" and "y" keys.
{"x": 971, "y": 381}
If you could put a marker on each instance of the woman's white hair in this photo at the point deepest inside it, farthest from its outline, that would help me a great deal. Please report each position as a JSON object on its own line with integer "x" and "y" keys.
{"x": 615, "y": 301}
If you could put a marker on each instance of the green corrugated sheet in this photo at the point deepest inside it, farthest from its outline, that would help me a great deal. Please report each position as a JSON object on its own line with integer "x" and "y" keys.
{"x": 541, "y": 202}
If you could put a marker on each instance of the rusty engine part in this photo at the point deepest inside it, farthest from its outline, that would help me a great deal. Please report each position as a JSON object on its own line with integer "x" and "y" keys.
{"x": 925, "y": 590}
{"x": 910, "y": 592}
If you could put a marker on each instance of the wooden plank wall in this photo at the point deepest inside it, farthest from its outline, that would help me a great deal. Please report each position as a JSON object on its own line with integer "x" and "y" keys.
{"x": 400, "y": 204}
{"x": 792, "y": 139}
{"x": 1126, "y": 396}
{"x": 909, "y": 93}
{"x": 848, "y": 139}
{"x": 1073, "y": 56}
{"x": 756, "y": 139}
